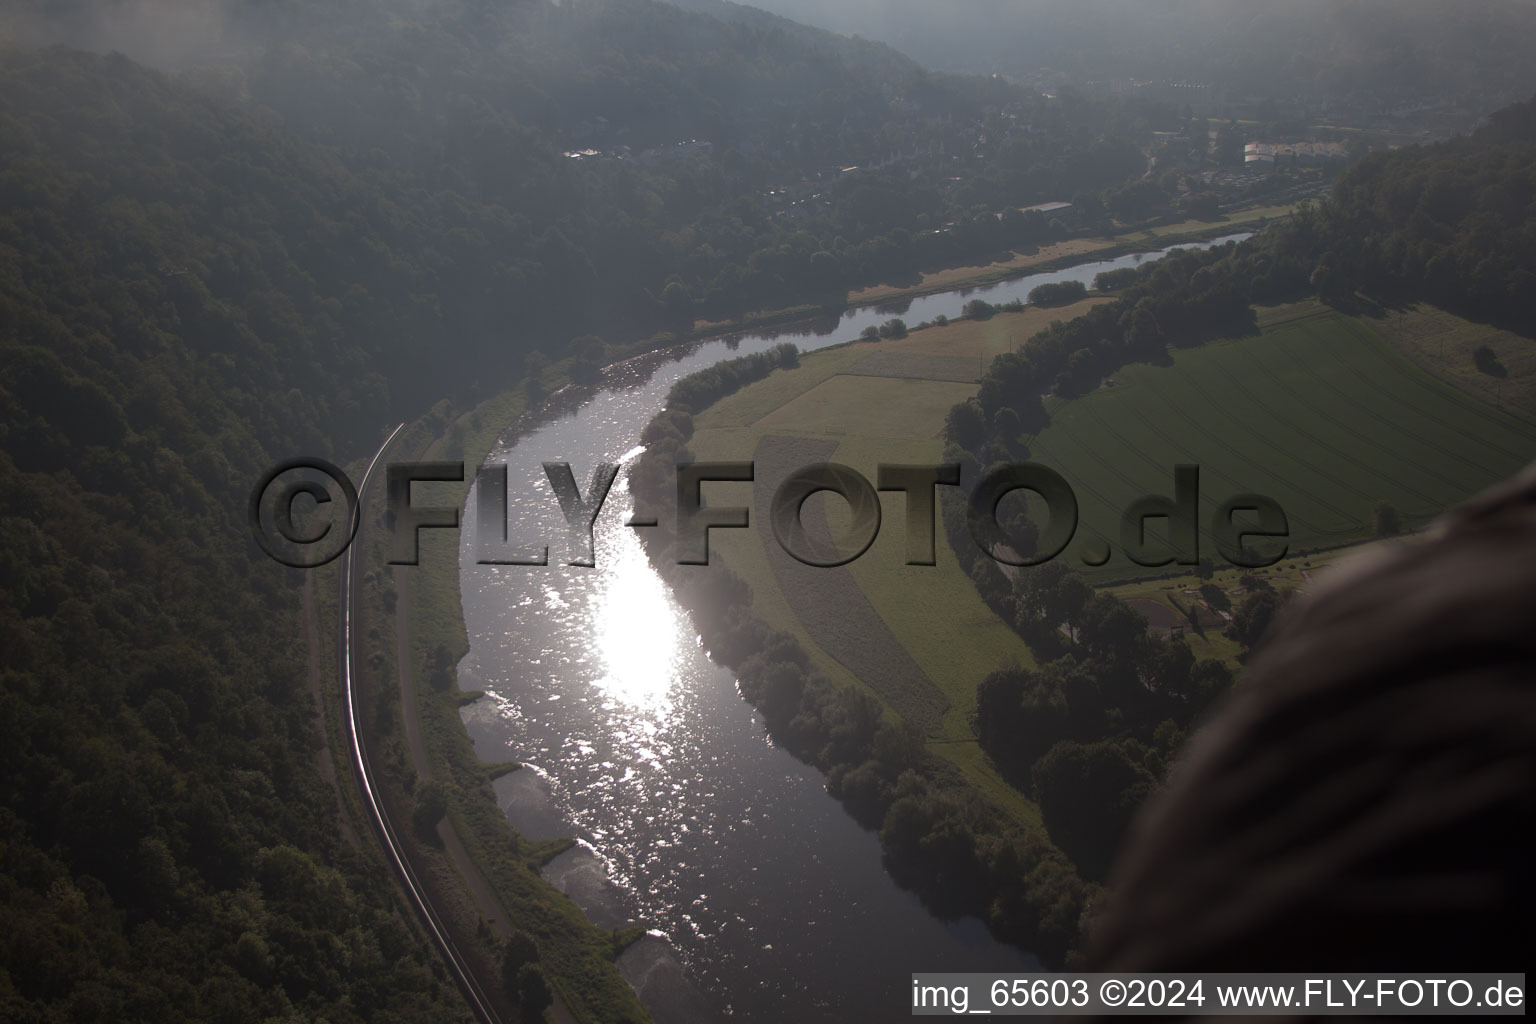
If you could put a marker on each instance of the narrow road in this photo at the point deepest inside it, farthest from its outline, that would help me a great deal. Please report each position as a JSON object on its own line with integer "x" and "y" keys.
{"x": 459, "y": 965}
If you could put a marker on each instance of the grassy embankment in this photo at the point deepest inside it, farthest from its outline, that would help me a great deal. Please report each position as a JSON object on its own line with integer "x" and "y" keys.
{"x": 576, "y": 956}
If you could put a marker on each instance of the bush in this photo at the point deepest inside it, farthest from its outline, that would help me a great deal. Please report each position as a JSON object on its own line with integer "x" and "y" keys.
{"x": 1113, "y": 280}
{"x": 1386, "y": 520}
{"x": 1062, "y": 293}
{"x": 1488, "y": 362}
{"x": 698, "y": 391}
{"x": 431, "y": 805}
{"x": 533, "y": 994}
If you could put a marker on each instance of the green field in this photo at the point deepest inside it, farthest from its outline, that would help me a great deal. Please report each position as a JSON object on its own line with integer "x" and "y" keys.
{"x": 934, "y": 611}
{"x": 1323, "y": 412}
{"x": 891, "y": 407}
{"x": 1444, "y": 345}
{"x": 1328, "y": 414}
{"x": 1243, "y": 220}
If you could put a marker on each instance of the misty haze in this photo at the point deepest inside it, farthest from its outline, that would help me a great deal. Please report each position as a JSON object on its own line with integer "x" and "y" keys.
{"x": 1164, "y": 377}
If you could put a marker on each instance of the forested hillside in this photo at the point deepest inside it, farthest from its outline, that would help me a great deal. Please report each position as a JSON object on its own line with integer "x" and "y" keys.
{"x": 1453, "y": 224}
{"x": 170, "y": 851}
{"x": 709, "y": 154}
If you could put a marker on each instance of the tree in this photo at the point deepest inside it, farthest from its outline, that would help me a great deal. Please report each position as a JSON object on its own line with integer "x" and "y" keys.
{"x": 1487, "y": 361}
{"x": 1006, "y": 424}
{"x": 1113, "y": 630}
{"x": 441, "y": 669}
{"x": 1202, "y": 206}
{"x": 533, "y": 994}
{"x": 1169, "y": 665}
{"x": 520, "y": 951}
{"x": 1229, "y": 147}
{"x": 587, "y": 353}
{"x": 1061, "y": 293}
{"x": 677, "y": 305}
{"x": 1208, "y": 679}
{"x": 1253, "y": 617}
{"x": 1087, "y": 794}
{"x": 1385, "y": 519}
{"x": 1143, "y": 335}
{"x": 431, "y": 805}
{"x": 1327, "y": 278}
{"x": 1112, "y": 280}
{"x": 1054, "y": 593}
{"x": 533, "y": 376}
{"x": 966, "y": 425}
{"x": 1080, "y": 375}
{"x": 1215, "y": 597}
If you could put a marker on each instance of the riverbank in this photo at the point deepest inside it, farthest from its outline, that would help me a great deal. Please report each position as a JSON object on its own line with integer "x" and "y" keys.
{"x": 868, "y": 720}
{"x": 486, "y": 875}
{"x": 1066, "y": 254}
{"x": 437, "y": 641}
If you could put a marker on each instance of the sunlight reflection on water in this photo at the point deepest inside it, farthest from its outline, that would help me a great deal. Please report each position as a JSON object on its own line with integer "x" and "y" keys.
{"x": 637, "y": 631}
{"x": 772, "y": 902}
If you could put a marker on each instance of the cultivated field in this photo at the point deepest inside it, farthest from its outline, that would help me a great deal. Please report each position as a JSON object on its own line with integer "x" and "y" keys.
{"x": 949, "y": 638}
{"x": 1444, "y": 344}
{"x": 871, "y": 406}
{"x": 1322, "y": 413}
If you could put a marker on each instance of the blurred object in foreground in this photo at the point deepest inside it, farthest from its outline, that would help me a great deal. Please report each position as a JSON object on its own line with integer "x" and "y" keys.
{"x": 1365, "y": 799}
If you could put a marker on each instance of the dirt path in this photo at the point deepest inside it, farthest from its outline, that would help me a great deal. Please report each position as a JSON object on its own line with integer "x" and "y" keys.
{"x": 479, "y": 886}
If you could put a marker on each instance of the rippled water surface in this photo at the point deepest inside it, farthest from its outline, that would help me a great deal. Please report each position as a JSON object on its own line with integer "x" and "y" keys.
{"x": 765, "y": 900}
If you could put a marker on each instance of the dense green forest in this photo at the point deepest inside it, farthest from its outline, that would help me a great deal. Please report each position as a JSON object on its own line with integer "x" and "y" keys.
{"x": 170, "y": 850}
{"x": 1453, "y": 224}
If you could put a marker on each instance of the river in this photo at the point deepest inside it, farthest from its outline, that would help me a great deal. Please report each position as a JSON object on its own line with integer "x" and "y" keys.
{"x": 764, "y": 900}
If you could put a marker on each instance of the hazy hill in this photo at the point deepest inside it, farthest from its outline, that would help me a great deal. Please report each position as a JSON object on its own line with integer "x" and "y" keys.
{"x": 1421, "y": 48}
